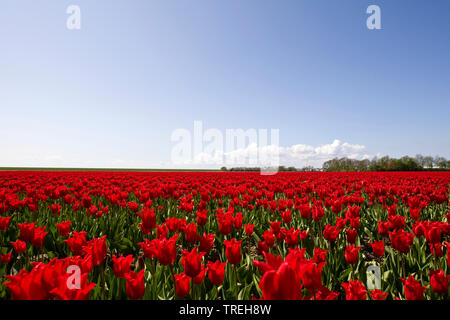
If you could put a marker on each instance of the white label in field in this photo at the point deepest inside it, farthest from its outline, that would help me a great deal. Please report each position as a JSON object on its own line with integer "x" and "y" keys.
{"x": 373, "y": 277}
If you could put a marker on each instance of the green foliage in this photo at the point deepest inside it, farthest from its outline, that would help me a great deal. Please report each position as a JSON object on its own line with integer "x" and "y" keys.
{"x": 386, "y": 163}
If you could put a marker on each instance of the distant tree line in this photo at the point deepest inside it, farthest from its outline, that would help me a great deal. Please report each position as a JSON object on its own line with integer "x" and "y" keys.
{"x": 406, "y": 163}
{"x": 386, "y": 163}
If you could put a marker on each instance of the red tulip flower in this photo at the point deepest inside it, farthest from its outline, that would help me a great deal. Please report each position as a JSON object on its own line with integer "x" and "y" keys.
{"x": 281, "y": 235}
{"x": 5, "y": 258}
{"x": 206, "y": 242}
{"x": 355, "y": 290}
{"x": 122, "y": 265}
{"x": 352, "y": 254}
{"x": 317, "y": 212}
{"x": 281, "y": 284}
{"x": 401, "y": 240}
{"x": 135, "y": 284}
{"x": 377, "y": 294}
{"x": 319, "y": 255}
{"x": 133, "y": 206}
{"x": 216, "y": 272}
{"x": 64, "y": 228}
{"x": 286, "y": 216}
{"x": 249, "y": 229}
{"x": 39, "y": 235}
{"x": 172, "y": 224}
{"x": 237, "y": 221}
{"x": 413, "y": 289}
{"x": 414, "y": 213}
{"x": 85, "y": 263}
{"x": 269, "y": 238}
{"x": 330, "y": 233}
{"x": 433, "y": 234}
{"x": 272, "y": 262}
{"x": 397, "y": 222}
{"x": 202, "y": 217}
{"x": 262, "y": 247}
{"x": 378, "y": 248}
{"x": 275, "y": 226}
{"x": 436, "y": 249}
{"x": 77, "y": 242}
{"x": 4, "y": 223}
{"x": 161, "y": 231}
{"x": 305, "y": 211}
{"x": 439, "y": 281}
{"x": 325, "y": 294}
{"x": 86, "y": 201}
{"x": 419, "y": 228}
{"x": 336, "y": 206}
{"x": 182, "y": 284}
{"x": 340, "y": 223}
{"x": 198, "y": 279}
{"x": 281, "y": 280}
{"x": 148, "y": 217}
{"x": 303, "y": 234}
{"x": 312, "y": 276}
{"x": 354, "y": 222}
{"x": 191, "y": 262}
{"x": 97, "y": 249}
{"x": 352, "y": 212}
{"x": 383, "y": 228}
{"x": 166, "y": 250}
{"x": 190, "y": 233}
{"x": 26, "y": 231}
{"x": 27, "y": 286}
{"x": 351, "y": 235}
{"x": 19, "y": 246}
{"x": 68, "y": 199}
{"x": 292, "y": 236}
{"x": 225, "y": 224}
{"x": 92, "y": 211}
{"x": 233, "y": 251}
{"x": 63, "y": 292}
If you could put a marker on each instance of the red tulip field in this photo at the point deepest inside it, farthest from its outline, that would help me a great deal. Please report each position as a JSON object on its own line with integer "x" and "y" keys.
{"x": 224, "y": 235}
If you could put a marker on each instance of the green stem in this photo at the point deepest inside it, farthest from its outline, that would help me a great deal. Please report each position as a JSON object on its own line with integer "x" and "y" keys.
{"x": 403, "y": 266}
{"x": 27, "y": 258}
{"x": 173, "y": 278}
{"x": 102, "y": 276}
{"x": 236, "y": 282}
{"x": 381, "y": 276}
{"x": 154, "y": 262}
{"x": 199, "y": 292}
{"x": 192, "y": 289}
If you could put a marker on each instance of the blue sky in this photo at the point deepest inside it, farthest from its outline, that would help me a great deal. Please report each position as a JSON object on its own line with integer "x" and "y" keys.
{"x": 112, "y": 93}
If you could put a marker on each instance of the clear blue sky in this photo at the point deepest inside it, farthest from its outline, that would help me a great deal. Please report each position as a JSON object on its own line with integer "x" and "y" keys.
{"x": 112, "y": 93}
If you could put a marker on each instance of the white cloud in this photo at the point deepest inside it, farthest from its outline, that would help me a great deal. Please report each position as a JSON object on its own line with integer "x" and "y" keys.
{"x": 298, "y": 155}
{"x": 305, "y": 155}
